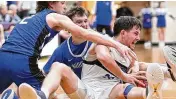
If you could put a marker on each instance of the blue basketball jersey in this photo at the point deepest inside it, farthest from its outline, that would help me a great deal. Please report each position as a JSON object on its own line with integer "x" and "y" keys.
{"x": 103, "y": 12}
{"x": 161, "y": 20}
{"x": 69, "y": 54}
{"x": 30, "y": 35}
{"x": 147, "y": 17}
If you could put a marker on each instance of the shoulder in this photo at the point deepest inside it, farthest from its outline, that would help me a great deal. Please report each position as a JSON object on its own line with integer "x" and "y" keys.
{"x": 56, "y": 16}
{"x": 54, "y": 20}
{"x": 62, "y": 46}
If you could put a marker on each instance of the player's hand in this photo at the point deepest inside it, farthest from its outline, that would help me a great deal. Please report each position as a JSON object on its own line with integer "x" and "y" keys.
{"x": 126, "y": 52}
{"x": 134, "y": 67}
{"x": 135, "y": 79}
{"x": 140, "y": 73}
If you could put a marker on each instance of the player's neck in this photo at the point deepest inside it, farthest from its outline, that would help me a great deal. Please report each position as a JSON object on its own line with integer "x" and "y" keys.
{"x": 117, "y": 38}
{"x": 77, "y": 40}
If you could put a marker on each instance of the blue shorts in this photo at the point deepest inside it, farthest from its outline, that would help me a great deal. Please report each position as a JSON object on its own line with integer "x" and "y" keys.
{"x": 19, "y": 68}
{"x": 161, "y": 22}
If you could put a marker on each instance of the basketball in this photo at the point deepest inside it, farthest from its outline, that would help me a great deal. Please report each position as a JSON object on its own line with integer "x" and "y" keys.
{"x": 143, "y": 81}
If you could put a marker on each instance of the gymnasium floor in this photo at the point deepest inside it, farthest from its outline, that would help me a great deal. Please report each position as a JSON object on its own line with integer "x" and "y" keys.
{"x": 146, "y": 55}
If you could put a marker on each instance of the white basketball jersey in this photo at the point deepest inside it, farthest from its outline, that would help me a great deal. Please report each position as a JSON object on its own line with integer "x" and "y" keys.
{"x": 96, "y": 76}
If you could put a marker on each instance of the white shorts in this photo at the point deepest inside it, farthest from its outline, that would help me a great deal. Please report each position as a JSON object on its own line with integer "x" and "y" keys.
{"x": 90, "y": 93}
{"x": 97, "y": 90}
{"x": 106, "y": 92}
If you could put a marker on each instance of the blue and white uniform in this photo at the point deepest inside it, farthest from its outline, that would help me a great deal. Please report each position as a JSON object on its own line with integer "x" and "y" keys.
{"x": 69, "y": 54}
{"x": 161, "y": 17}
{"x": 96, "y": 77}
{"x": 19, "y": 54}
{"x": 104, "y": 10}
{"x": 146, "y": 14}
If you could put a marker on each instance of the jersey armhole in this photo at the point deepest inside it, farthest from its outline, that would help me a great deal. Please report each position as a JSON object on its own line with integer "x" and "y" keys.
{"x": 51, "y": 30}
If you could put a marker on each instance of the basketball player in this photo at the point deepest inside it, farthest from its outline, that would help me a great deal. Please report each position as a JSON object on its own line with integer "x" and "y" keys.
{"x": 71, "y": 84}
{"x": 20, "y": 53}
{"x": 74, "y": 48}
{"x": 105, "y": 76}
{"x": 71, "y": 51}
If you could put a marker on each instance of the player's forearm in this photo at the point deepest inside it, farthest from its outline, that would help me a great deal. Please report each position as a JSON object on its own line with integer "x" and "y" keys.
{"x": 100, "y": 39}
{"x": 112, "y": 66}
{"x": 89, "y": 35}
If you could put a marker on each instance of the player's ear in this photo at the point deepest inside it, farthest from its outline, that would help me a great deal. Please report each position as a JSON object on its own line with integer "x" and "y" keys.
{"x": 122, "y": 32}
{"x": 50, "y": 4}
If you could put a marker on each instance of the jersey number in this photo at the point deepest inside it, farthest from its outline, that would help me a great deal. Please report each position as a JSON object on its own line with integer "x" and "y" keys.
{"x": 108, "y": 76}
{"x": 24, "y": 21}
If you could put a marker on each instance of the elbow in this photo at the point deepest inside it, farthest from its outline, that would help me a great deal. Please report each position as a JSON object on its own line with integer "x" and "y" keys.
{"x": 102, "y": 57}
{"x": 83, "y": 34}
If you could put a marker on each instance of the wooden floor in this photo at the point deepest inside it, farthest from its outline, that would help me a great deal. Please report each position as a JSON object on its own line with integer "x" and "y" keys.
{"x": 153, "y": 54}
{"x": 145, "y": 55}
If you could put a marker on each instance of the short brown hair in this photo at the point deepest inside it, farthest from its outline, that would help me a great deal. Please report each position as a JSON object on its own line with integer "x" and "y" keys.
{"x": 41, "y": 5}
{"x": 126, "y": 23}
{"x": 77, "y": 10}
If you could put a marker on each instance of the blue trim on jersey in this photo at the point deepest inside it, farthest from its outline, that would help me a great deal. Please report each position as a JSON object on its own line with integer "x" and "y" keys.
{"x": 63, "y": 55}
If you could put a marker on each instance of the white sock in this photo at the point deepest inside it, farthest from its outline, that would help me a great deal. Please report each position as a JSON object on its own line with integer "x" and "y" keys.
{"x": 46, "y": 92}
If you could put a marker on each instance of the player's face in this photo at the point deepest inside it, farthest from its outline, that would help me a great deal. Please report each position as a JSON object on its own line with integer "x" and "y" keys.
{"x": 81, "y": 21}
{"x": 59, "y": 7}
{"x": 131, "y": 37}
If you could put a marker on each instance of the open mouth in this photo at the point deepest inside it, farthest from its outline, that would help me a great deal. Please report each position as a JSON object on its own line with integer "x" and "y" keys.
{"x": 134, "y": 42}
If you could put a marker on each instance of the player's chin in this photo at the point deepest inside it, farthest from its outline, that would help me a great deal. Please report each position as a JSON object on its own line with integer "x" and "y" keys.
{"x": 132, "y": 46}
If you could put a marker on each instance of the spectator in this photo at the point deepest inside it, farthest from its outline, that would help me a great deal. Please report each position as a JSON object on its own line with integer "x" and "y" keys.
{"x": 13, "y": 13}
{"x": 4, "y": 16}
{"x": 11, "y": 2}
{"x": 105, "y": 15}
{"x": 123, "y": 10}
{"x": 146, "y": 15}
{"x": 24, "y": 7}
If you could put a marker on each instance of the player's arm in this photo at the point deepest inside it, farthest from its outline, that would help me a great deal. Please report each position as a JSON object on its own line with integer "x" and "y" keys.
{"x": 103, "y": 55}
{"x": 134, "y": 67}
{"x": 64, "y": 34}
{"x": 58, "y": 22}
{"x": 57, "y": 56}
